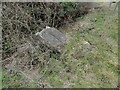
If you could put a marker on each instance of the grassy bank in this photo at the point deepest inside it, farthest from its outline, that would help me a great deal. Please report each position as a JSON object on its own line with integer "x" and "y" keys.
{"x": 90, "y": 59}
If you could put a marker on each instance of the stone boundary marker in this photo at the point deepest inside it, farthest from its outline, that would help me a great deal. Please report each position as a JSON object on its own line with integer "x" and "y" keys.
{"x": 53, "y": 37}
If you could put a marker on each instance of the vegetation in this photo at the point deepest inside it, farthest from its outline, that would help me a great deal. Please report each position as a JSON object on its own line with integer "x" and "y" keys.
{"x": 22, "y": 19}
{"x": 90, "y": 57}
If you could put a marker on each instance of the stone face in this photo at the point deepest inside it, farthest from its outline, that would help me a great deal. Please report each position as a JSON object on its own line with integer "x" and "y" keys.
{"x": 53, "y": 37}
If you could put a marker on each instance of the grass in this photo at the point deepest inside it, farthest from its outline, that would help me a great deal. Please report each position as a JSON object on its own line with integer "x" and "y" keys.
{"x": 0, "y": 79}
{"x": 90, "y": 59}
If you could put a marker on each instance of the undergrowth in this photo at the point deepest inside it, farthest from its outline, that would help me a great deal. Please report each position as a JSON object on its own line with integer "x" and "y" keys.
{"x": 89, "y": 60}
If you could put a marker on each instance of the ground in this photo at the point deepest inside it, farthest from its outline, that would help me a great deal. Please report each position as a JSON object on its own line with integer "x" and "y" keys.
{"x": 90, "y": 58}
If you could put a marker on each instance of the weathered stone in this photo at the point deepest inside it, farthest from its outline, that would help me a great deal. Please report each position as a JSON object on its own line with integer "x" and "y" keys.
{"x": 53, "y": 37}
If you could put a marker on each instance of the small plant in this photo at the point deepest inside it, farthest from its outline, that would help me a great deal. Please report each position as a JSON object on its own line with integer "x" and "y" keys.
{"x": 69, "y": 7}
